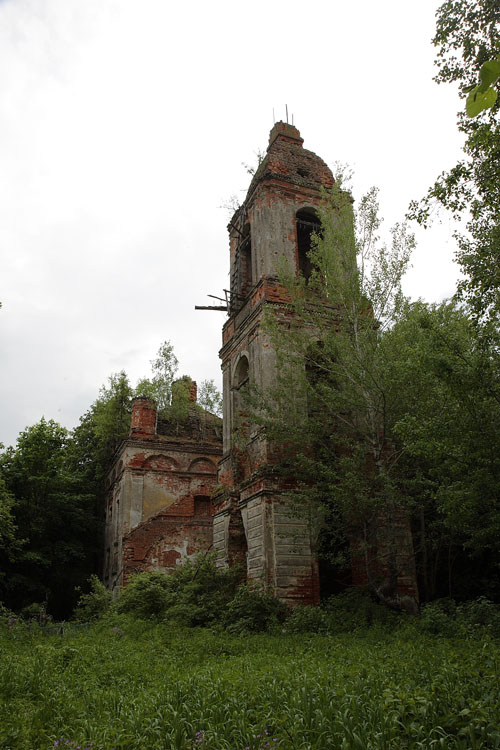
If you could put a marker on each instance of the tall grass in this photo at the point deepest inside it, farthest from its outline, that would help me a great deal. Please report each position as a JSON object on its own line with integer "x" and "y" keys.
{"x": 129, "y": 684}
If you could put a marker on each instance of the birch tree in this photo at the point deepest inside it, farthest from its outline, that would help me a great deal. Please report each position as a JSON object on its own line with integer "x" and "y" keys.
{"x": 329, "y": 406}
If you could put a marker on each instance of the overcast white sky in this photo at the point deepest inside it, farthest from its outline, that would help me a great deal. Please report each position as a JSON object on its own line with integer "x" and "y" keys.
{"x": 123, "y": 128}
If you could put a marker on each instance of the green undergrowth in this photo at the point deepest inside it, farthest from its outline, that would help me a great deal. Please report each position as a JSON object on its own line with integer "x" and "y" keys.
{"x": 199, "y": 594}
{"x": 124, "y": 683}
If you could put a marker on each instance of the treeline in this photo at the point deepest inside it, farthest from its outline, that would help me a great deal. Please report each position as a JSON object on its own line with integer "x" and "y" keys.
{"x": 51, "y": 492}
{"x": 405, "y": 420}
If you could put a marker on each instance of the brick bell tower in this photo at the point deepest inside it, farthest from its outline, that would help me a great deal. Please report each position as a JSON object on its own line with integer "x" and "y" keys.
{"x": 253, "y": 523}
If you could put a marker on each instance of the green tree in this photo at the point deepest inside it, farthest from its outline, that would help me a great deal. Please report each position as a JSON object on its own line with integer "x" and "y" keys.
{"x": 210, "y": 398}
{"x": 9, "y": 541}
{"x": 461, "y": 362}
{"x": 484, "y": 94}
{"x": 329, "y": 406}
{"x": 159, "y": 387}
{"x": 7, "y": 524}
{"x": 101, "y": 429}
{"x": 54, "y": 513}
{"x": 468, "y": 37}
{"x": 381, "y": 406}
{"x": 112, "y": 410}
{"x": 445, "y": 419}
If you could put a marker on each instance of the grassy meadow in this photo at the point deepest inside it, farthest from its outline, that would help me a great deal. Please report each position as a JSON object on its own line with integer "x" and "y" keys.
{"x": 126, "y": 683}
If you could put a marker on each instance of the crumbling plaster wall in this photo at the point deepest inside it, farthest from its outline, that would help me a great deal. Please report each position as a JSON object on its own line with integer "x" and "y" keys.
{"x": 158, "y": 507}
{"x": 278, "y": 547}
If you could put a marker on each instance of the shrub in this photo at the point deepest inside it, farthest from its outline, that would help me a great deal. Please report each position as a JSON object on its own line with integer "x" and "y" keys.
{"x": 356, "y": 608}
{"x": 202, "y": 591}
{"x": 7, "y": 617}
{"x": 307, "y": 620}
{"x": 254, "y": 610}
{"x": 194, "y": 594}
{"x": 36, "y": 611}
{"x": 146, "y": 595}
{"x": 438, "y": 618}
{"x": 476, "y": 617}
{"x": 344, "y": 612}
{"x": 469, "y": 619}
{"x": 93, "y": 605}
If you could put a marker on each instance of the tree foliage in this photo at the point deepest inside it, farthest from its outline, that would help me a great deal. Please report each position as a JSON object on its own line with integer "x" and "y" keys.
{"x": 452, "y": 438}
{"x": 468, "y": 39}
{"x": 484, "y": 94}
{"x": 445, "y": 390}
{"x": 329, "y": 404}
{"x": 196, "y": 593}
{"x": 210, "y": 398}
{"x": 53, "y": 511}
{"x": 382, "y": 406}
{"x": 7, "y": 524}
{"x": 51, "y": 489}
{"x": 159, "y": 387}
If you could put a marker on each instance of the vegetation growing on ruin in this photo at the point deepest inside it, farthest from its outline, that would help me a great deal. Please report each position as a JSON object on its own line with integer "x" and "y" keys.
{"x": 415, "y": 386}
{"x": 384, "y": 405}
{"x": 51, "y": 489}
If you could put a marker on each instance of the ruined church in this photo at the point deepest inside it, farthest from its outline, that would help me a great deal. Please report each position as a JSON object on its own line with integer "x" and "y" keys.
{"x": 178, "y": 489}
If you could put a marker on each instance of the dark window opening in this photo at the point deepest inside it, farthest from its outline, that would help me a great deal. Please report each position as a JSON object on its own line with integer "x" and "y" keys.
{"x": 237, "y": 543}
{"x": 241, "y": 372}
{"x": 241, "y": 277}
{"x": 239, "y": 391}
{"x": 246, "y": 264}
{"x": 335, "y": 572}
{"x": 202, "y": 506}
{"x": 307, "y": 225}
{"x": 243, "y": 268}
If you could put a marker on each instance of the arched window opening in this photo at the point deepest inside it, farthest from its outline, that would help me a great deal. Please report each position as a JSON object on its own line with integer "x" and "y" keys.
{"x": 241, "y": 372}
{"x": 240, "y": 381}
{"x": 245, "y": 262}
{"x": 308, "y": 224}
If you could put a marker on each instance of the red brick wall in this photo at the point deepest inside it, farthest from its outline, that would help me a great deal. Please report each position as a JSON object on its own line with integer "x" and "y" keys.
{"x": 143, "y": 421}
{"x": 162, "y": 542}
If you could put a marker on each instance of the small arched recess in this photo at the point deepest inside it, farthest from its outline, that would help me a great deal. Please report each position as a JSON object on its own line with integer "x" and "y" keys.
{"x": 238, "y": 382}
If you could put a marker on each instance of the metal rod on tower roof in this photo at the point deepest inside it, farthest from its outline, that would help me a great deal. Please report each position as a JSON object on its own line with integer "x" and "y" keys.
{"x": 286, "y": 107}
{"x": 274, "y": 118}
